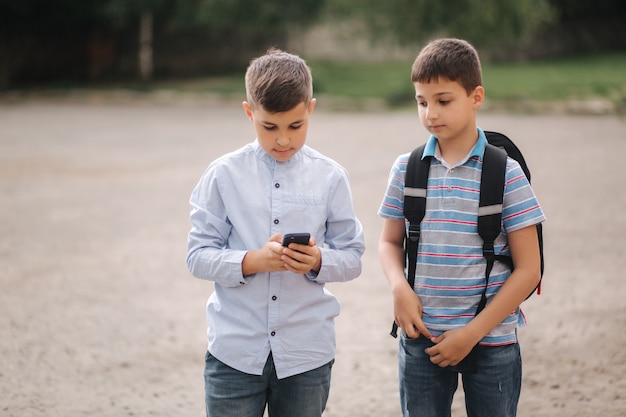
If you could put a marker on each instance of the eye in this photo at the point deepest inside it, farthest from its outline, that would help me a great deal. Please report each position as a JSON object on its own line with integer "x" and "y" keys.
{"x": 422, "y": 103}
{"x": 269, "y": 128}
{"x": 444, "y": 102}
{"x": 296, "y": 126}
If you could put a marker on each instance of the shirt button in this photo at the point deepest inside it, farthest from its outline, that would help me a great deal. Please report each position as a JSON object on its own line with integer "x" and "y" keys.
{"x": 277, "y": 185}
{"x": 273, "y": 333}
{"x": 276, "y": 221}
{"x": 452, "y": 171}
{"x": 274, "y": 298}
{"x": 449, "y": 189}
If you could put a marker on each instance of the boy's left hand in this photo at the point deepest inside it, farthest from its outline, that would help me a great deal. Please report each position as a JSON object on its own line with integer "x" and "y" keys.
{"x": 301, "y": 259}
{"x": 451, "y": 347}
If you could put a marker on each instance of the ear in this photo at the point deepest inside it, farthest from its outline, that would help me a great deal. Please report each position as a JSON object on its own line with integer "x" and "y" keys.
{"x": 311, "y": 106}
{"x": 478, "y": 95}
{"x": 247, "y": 109}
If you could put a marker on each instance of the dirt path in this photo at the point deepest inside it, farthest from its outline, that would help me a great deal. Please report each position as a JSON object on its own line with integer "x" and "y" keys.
{"x": 99, "y": 316}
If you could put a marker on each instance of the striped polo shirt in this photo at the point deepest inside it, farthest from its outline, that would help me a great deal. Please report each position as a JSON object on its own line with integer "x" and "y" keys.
{"x": 450, "y": 273}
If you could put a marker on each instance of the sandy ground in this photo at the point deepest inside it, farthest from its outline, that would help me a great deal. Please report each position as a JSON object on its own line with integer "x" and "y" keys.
{"x": 99, "y": 316}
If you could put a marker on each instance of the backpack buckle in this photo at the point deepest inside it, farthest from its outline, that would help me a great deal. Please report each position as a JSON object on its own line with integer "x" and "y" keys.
{"x": 414, "y": 233}
{"x": 488, "y": 251}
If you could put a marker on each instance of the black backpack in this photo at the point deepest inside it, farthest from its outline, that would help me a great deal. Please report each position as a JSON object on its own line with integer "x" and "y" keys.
{"x": 489, "y": 207}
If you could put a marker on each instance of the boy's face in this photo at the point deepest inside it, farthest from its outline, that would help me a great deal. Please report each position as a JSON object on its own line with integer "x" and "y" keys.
{"x": 281, "y": 134}
{"x": 446, "y": 110}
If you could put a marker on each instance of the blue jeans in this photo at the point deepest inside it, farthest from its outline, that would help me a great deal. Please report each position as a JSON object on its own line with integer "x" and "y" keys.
{"x": 426, "y": 390}
{"x": 231, "y": 393}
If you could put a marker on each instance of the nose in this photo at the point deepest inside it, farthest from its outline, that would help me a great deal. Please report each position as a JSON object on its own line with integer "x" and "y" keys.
{"x": 430, "y": 113}
{"x": 282, "y": 139}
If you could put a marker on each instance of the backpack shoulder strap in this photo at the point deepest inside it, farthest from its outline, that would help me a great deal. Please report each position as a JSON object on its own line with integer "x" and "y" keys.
{"x": 415, "y": 185}
{"x": 490, "y": 207}
{"x": 491, "y": 192}
{"x": 500, "y": 140}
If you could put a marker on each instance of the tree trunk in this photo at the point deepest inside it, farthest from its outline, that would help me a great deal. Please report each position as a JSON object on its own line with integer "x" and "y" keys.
{"x": 146, "y": 62}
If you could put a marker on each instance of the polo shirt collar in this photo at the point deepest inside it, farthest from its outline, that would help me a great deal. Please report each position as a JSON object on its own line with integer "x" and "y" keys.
{"x": 431, "y": 148}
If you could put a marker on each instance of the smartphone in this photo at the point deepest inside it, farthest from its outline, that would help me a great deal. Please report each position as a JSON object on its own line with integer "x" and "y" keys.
{"x": 301, "y": 238}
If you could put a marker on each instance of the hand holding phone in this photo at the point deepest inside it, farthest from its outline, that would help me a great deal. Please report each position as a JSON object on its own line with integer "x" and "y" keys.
{"x": 301, "y": 262}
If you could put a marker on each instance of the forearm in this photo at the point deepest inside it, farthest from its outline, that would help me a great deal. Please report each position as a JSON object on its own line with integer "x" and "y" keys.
{"x": 407, "y": 306}
{"x": 391, "y": 253}
{"x": 512, "y": 293}
{"x": 392, "y": 261}
{"x": 524, "y": 248}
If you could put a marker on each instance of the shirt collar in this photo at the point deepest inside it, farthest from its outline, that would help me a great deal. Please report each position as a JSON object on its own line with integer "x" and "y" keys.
{"x": 261, "y": 154}
{"x": 431, "y": 148}
{"x": 268, "y": 159}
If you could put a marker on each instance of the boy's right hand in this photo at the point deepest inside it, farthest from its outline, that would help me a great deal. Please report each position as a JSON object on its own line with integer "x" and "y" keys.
{"x": 265, "y": 259}
{"x": 408, "y": 311}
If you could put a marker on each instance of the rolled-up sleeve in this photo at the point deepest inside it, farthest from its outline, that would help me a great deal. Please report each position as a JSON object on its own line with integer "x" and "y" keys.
{"x": 207, "y": 254}
{"x": 344, "y": 240}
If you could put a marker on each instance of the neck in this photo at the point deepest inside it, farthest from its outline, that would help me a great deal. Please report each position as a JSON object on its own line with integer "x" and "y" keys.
{"x": 454, "y": 150}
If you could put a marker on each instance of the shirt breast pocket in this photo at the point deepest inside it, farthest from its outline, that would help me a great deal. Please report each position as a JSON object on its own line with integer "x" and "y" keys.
{"x": 305, "y": 214}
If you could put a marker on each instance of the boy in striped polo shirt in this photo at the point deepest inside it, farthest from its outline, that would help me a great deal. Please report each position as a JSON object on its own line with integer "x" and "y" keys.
{"x": 438, "y": 316}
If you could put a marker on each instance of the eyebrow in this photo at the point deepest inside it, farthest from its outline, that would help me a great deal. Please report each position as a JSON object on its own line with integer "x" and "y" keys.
{"x": 266, "y": 123}
{"x": 436, "y": 94}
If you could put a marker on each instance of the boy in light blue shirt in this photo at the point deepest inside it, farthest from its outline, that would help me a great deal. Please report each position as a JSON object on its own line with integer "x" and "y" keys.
{"x": 271, "y": 336}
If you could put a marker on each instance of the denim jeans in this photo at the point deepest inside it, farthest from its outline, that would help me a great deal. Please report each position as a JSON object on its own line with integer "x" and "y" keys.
{"x": 231, "y": 393}
{"x": 426, "y": 390}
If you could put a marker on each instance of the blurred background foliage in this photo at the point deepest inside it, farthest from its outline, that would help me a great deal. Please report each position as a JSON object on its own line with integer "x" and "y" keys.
{"x": 500, "y": 28}
{"x": 356, "y": 47}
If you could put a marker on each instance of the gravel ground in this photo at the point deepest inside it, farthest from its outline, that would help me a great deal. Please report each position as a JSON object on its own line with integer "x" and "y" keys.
{"x": 99, "y": 316}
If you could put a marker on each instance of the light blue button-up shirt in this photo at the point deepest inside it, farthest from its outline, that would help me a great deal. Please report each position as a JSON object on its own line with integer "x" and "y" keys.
{"x": 242, "y": 199}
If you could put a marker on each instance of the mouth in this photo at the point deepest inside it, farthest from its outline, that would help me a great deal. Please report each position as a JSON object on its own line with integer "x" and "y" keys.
{"x": 283, "y": 152}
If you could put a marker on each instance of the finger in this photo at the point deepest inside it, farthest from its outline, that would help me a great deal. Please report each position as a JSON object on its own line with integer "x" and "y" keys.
{"x": 432, "y": 351}
{"x": 411, "y": 331}
{"x": 276, "y": 247}
{"x": 292, "y": 269}
{"x": 289, "y": 261}
{"x": 293, "y": 256}
{"x": 295, "y": 265}
{"x": 440, "y": 361}
{"x": 421, "y": 327}
{"x": 296, "y": 247}
{"x": 306, "y": 260}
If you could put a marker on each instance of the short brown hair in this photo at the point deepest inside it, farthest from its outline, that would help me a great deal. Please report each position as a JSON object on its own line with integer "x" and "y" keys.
{"x": 450, "y": 58}
{"x": 278, "y": 81}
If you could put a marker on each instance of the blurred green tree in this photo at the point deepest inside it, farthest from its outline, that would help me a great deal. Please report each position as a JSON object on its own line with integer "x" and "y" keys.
{"x": 497, "y": 27}
{"x": 584, "y": 26}
{"x": 250, "y": 18}
{"x": 94, "y": 39}
{"x": 260, "y": 16}
{"x": 122, "y": 12}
